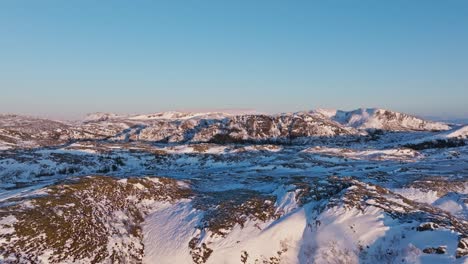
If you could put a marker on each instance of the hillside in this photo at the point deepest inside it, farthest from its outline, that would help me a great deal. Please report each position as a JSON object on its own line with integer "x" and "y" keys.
{"x": 364, "y": 186}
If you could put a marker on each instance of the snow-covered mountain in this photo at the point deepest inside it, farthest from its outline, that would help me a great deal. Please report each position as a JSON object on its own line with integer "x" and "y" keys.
{"x": 23, "y": 131}
{"x": 214, "y": 127}
{"x": 375, "y": 118}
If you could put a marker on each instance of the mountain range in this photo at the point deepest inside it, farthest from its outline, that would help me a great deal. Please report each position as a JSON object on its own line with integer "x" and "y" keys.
{"x": 179, "y": 127}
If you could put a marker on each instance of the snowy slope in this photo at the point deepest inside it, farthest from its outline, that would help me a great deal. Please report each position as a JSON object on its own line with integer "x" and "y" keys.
{"x": 374, "y": 118}
{"x": 458, "y": 133}
{"x": 158, "y": 220}
{"x": 457, "y": 136}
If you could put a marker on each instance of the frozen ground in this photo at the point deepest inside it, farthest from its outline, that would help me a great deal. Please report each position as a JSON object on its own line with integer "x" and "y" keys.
{"x": 370, "y": 197}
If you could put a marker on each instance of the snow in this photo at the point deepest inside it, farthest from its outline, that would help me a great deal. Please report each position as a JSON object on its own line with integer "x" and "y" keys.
{"x": 285, "y": 201}
{"x": 374, "y": 118}
{"x": 99, "y": 116}
{"x": 453, "y": 203}
{"x": 336, "y": 233}
{"x": 6, "y": 224}
{"x": 417, "y": 195}
{"x": 169, "y": 229}
{"x": 284, "y": 234}
{"x": 139, "y": 186}
{"x": 167, "y": 232}
{"x": 455, "y": 133}
{"x": 174, "y": 115}
{"x": 4, "y": 146}
{"x": 458, "y": 133}
{"x": 369, "y": 154}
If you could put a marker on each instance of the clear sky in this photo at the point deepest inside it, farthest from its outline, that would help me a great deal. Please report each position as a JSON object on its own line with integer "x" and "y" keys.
{"x": 67, "y": 58}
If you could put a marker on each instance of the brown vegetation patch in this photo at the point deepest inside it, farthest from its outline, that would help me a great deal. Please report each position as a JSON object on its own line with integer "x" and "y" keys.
{"x": 226, "y": 209}
{"x": 200, "y": 148}
{"x": 441, "y": 185}
{"x": 78, "y": 220}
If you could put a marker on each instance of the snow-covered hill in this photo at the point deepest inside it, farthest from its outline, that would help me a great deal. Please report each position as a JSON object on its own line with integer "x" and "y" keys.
{"x": 374, "y": 118}
{"x": 364, "y": 186}
{"x": 159, "y": 220}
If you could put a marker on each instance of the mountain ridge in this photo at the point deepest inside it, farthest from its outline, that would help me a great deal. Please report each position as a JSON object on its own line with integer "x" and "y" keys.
{"x": 216, "y": 127}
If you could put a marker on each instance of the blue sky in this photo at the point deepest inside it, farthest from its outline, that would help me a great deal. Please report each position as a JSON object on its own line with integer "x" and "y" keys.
{"x": 67, "y": 58}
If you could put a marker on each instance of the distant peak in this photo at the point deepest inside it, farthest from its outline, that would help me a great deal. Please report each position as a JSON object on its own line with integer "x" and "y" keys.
{"x": 100, "y": 116}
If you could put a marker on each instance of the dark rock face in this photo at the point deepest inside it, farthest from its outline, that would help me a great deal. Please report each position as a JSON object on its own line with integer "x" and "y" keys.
{"x": 427, "y": 227}
{"x": 462, "y": 248}
{"x": 435, "y": 250}
{"x": 441, "y": 143}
